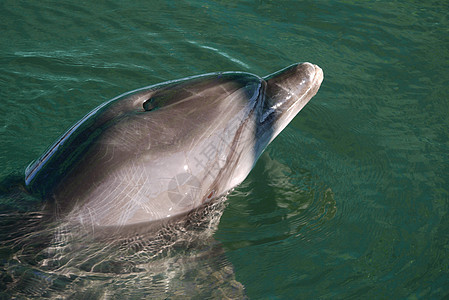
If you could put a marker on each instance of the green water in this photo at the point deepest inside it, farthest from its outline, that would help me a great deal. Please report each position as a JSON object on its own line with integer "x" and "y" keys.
{"x": 350, "y": 201}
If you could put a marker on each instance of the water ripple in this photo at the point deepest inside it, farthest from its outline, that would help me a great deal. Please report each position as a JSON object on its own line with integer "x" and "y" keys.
{"x": 296, "y": 206}
{"x": 46, "y": 258}
{"x": 222, "y": 53}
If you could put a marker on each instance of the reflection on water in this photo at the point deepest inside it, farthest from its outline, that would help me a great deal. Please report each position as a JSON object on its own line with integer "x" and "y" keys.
{"x": 46, "y": 258}
{"x": 277, "y": 205}
{"x": 50, "y": 259}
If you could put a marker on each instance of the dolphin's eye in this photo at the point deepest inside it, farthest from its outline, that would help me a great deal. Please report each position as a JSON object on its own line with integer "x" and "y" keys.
{"x": 150, "y": 105}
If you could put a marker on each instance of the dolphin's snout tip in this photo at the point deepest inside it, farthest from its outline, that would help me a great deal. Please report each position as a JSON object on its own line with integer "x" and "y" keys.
{"x": 315, "y": 72}
{"x": 312, "y": 72}
{"x": 319, "y": 75}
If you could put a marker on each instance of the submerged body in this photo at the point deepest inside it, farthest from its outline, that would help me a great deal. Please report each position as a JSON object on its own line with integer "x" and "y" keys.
{"x": 164, "y": 150}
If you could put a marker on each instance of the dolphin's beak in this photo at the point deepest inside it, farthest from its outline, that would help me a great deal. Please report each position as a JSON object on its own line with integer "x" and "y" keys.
{"x": 287, "y": 92}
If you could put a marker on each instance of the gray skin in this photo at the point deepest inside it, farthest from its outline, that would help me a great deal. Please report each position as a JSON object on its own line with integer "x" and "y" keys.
{"x": 158, "y": 152}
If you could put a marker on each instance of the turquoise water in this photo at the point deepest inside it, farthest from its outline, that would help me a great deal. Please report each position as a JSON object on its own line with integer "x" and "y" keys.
{"x": 350, "y": 201}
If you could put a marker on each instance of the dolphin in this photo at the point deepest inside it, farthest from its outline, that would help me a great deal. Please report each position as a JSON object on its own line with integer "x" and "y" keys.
{"x": 161, "y": 151}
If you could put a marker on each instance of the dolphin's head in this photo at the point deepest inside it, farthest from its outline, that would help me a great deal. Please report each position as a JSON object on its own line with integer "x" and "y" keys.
{"x": 287, "y": 92}
{"x": 163, "y": 150}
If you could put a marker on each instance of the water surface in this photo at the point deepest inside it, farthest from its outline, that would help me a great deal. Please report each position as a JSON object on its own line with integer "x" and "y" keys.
{"x": 350, "y": 201}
